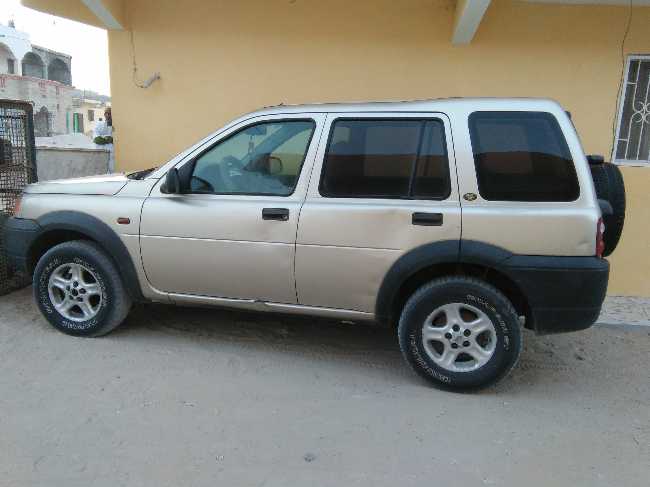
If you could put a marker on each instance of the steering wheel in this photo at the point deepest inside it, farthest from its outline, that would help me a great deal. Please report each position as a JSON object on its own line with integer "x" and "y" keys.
{"x": 231, "y": 162}
{"x": 227, "y": 167}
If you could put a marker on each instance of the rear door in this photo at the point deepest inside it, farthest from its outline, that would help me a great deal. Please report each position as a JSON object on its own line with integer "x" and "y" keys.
{"x": 382, "y": 184}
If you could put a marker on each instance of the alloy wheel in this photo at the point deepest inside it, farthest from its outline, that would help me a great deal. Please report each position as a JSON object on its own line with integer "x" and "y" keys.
{"x": 75, "y": 292}
{"x": 459, "y": 337}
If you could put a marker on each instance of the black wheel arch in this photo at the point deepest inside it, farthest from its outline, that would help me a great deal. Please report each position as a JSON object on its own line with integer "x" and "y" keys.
{"x": 62, "y": 226}
{"x": 447, "y": 258}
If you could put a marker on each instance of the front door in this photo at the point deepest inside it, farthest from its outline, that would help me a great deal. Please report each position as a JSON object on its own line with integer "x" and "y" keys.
{"x": 232, "y": 233}
{"x": 383, "y": 184}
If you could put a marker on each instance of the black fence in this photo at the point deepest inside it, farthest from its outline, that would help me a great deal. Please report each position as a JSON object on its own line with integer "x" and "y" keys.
{"x": 17, "y": 169}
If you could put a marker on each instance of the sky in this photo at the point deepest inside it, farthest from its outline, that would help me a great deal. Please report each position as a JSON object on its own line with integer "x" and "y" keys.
{"x": 87, "y": 45}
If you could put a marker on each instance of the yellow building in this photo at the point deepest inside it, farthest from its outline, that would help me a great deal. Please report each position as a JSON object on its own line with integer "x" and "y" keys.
{"x": 220, "y": 58}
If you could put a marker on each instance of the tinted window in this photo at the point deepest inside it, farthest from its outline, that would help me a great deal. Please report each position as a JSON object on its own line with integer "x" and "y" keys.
{"x": 261, "y": 159}
{"x": 432, "y": 172}
{"x": 386, "y": 159}
{"x": 522, "y": 156}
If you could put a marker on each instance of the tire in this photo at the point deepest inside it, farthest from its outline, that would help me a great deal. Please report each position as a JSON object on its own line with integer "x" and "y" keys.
{"x": 609, "y": 185}
{"x": 500, "y": 345}
{"x": 95, "y": 305}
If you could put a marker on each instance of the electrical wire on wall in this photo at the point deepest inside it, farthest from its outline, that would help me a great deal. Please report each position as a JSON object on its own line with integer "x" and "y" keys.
{"x": 149, "y": 81}
{"x": 621, "y": 83}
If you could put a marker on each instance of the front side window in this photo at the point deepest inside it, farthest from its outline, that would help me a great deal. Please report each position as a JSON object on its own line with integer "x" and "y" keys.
{"x": 522, "y": 156}
{"x": 381, "y": 158}
{"x": 633, "y": 135}
{"x": 262, "y": 159}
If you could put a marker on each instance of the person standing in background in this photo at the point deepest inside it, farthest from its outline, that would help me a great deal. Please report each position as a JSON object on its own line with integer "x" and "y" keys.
{"x": 103, "y": 135}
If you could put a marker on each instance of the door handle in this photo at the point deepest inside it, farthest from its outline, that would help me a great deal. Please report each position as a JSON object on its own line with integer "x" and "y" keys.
{"x": 427, "y": 219}
{"x": 280, "y": 214}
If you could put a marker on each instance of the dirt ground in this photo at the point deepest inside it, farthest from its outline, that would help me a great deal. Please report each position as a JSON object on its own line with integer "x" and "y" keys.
{"x": 194, "y": 397}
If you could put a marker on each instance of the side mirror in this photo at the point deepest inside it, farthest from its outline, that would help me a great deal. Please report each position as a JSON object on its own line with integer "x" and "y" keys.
{"x": 595, "y": 160}
{"x": 172, "y": 183}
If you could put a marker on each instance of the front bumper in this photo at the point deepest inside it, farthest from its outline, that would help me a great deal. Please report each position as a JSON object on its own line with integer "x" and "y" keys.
{"x": 564, "y": 293}
{"x": 20, "y": 234}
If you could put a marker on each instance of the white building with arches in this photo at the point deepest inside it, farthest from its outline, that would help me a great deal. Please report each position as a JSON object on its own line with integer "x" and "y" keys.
{"x": 39, "y": 75}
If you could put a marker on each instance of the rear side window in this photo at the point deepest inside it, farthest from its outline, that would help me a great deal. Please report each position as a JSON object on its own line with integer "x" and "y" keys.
{"x": 522, "y": 156}
{"x": 381, "y": 158}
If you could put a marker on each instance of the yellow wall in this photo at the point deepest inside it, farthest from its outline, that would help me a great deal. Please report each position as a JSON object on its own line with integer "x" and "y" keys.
{"x": 220, "y": 58}
{"x": 630, "y": 262}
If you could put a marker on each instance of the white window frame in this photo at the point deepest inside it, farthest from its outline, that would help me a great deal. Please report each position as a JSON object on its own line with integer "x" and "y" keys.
{"x": 621, "y": 104}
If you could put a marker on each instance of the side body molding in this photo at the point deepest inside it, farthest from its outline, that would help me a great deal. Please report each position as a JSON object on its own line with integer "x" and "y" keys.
{"x": 562, "y": 293}
{"x": 103, "y": 235}
{"x": 443, "y": 252}
{"x": 479, "y": 253}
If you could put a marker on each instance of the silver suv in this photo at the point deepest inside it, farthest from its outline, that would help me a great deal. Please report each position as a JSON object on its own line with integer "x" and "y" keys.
{"x": 455, "y": 221}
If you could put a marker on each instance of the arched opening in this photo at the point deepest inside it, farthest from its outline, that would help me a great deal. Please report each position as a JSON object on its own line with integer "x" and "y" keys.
{"x": 7, "y": 60}
{"x": 33, "y": 65}
{"x": 57, "y": 70}
{"x": 42, "y": 123}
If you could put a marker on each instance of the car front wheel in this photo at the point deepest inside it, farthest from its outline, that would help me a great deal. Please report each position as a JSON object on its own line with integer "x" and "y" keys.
{"x": 78, "y": 289}
{"x": 460, "y": 333}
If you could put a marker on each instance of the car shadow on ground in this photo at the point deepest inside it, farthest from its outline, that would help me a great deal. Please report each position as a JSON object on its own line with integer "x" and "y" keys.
{"x": 313, "y": 339}
{"x": 265, "y": 328}
{"x": 574, "y": 363}
{"x": 566, "y": 360}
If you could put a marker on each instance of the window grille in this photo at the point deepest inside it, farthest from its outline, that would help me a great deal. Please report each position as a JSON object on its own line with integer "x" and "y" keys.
{"x": 633, "y": 128}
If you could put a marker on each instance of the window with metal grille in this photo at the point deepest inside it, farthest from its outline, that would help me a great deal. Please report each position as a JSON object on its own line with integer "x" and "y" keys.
{"x": 91, "y": 115}
{"x": 633, "y": 132}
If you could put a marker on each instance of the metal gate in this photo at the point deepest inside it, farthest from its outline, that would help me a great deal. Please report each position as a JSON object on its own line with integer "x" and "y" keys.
{"x": 17, "y": 169}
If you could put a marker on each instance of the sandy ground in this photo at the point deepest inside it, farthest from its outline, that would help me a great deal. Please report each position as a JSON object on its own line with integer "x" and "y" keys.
{"x": 193, "y": 397}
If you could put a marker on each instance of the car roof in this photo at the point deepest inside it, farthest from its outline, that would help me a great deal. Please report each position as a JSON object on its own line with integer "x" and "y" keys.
{"x": 432, "y": 105}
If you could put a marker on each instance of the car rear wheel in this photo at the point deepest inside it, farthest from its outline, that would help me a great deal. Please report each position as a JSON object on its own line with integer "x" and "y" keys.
{"x": 460, "y": 333}
{"x": 79, "y": 290}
